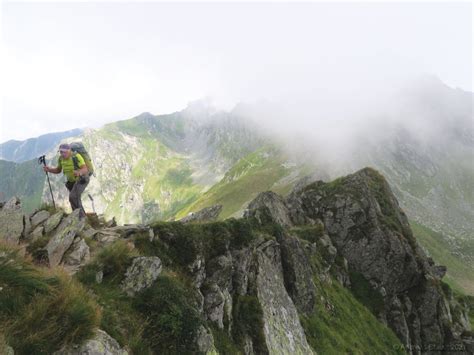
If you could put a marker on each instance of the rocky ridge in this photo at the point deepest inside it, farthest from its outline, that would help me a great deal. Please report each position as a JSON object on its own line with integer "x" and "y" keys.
{"x": 256, "y": 281}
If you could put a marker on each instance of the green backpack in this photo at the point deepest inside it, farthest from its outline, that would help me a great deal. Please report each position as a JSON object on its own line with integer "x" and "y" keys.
{"x": 78, "y": 147}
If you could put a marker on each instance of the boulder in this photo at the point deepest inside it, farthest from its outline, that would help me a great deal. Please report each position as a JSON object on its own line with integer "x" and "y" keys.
{"x": 269, "y": 207}
{"x": 39, "y": 217}
{"x": 37, "y": 233}
{"x": 205, "y": 215}
{"x": 64, "y": 237}
{"x": 53, "y": 221}
{"x": 11, "y": 221}
{"x": 205, "y": 341}
{"x": 141, "y": 274}
{"x": 101, "y": 344}
{"x": 76, "y": 256}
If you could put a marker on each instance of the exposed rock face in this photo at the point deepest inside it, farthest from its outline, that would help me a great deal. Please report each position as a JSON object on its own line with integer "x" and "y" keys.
{"x": 77, "y": 255}
{"x": 282, "y": 328}
{"x": 205, "y": 215}
{"x": 11, "y": 220}
{"x": 298, "y": 273}
{"x": 101, "y": 344}
{"x": 141, "y": 274}
{"x": 63, "y": 237}
{"x": 363, "y": 219}
{"x": 53, "y": 221}
{"x": 39, "y": 217}
{"x": 255, "y": 273}
{"x": 269, "y": 207}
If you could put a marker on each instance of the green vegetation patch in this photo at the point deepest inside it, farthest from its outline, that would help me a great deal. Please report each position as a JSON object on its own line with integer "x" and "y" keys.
{"x": 42, "y": 312}
{"x": 172, "y": 318}
{"x": 248, "y": 321}
{"x": 187, "y": 240}
{"x": 342, "y": 325}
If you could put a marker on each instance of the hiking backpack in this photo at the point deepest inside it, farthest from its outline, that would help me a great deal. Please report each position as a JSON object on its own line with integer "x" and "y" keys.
{"x": 78, "y": 147}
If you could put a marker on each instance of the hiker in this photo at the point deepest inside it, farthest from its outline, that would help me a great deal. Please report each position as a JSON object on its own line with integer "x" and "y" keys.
{"x": 75, "y": 169}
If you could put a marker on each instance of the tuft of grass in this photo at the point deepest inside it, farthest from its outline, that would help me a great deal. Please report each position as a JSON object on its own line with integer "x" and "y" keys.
{"x": 42, "y": 312}
{"x": 119, "y": 318}
{"x": 113, "y": 261}
{"x": 172, "y": 318}
{"x": 185, "y": 241}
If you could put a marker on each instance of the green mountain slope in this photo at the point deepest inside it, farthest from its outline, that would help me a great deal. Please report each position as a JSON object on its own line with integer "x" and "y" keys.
{"x": 25, "y": 179}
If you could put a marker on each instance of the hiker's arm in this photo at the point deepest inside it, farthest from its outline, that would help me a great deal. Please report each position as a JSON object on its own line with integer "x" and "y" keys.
{"x": 82, "y": 171}
{"x": 50, "y": 169}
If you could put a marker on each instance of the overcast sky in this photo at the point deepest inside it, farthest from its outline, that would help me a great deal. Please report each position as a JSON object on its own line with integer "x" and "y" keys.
{"x": 68, "y": 65}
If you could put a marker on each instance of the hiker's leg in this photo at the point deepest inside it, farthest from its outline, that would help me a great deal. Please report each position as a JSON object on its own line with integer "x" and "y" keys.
{"x": 75, "y": 196}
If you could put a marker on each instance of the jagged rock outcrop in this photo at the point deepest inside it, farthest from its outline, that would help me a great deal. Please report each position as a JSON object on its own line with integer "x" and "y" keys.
{"x": 101, "y": 344}
{"x": 64, "y": 237}
{"x": 269, "y": 207}
{"x": 141, "y": 274}
{"x": 12, "y": 221}
{"x": 204, "y": 215}
{"x": 366, "y": 225}
{"x": 53, "y": 221}
{"x": 77, "y": 255}
{"x": 254, "y": 274}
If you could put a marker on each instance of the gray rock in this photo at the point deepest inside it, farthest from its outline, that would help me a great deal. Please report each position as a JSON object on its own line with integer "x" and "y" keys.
{"x": 105, "y": 237}
{"x": 439, "y": 271}
{"x": 298, "y": 275}
{"x": 39, "y": 217}
{"x": 101, "y": 344}
{"x": 26, "y": 227}
{"x": 141, "y": 274}
{"x": 11, "y": 221}
{"x": 127, "y": 230}
{"x": 53, "y": 221}
{"x": 282, "y": 328}
{"x": 13, "y": 203}
{"x": 37, "y": 233}
{"x": 269, "y": 207}
{"x": 205, "y": 341}
{"x": 5, "y": 349}
{"x": 64, "y": 237}
{"x": 76, "y": 256}
{"x": 366, "y": 225}
{"x": 99, "y": 276}
{"x": 205, "y": 215}
{"x": 214, "y": 302}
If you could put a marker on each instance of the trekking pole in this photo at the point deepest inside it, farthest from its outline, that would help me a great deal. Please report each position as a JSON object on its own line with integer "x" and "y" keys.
{"x": 42, "y": 160}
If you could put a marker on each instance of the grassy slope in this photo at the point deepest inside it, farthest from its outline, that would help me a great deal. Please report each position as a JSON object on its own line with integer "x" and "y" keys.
{"x": 341, "y": 324}
{"x": 41, "y": 310}
{"x": 258, "y": 171}
{"x": 163, "y": 173}
{"x": 460, "y": 276}
{"x": 25, "y": 180}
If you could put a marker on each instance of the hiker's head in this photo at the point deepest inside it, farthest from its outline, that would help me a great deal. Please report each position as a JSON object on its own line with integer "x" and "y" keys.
{"x": 65, "y": 150}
